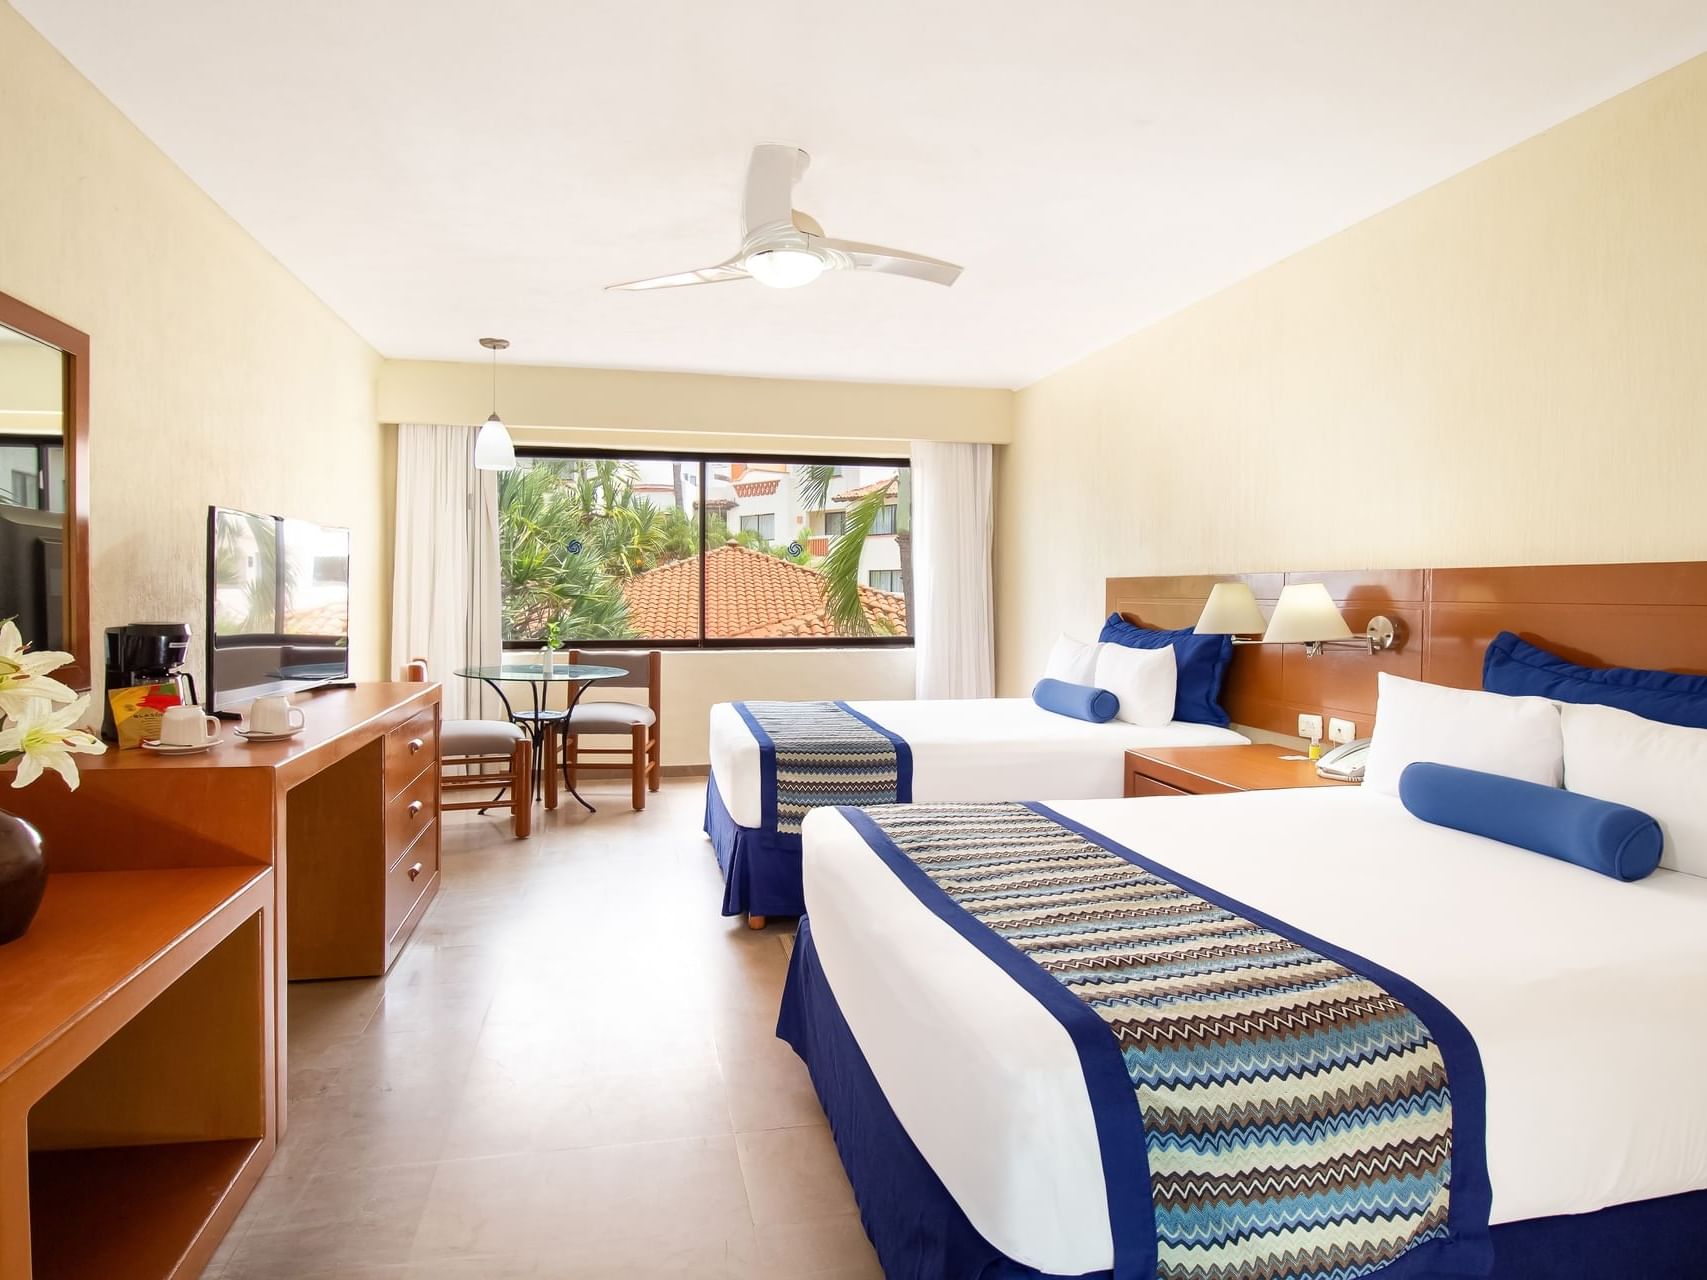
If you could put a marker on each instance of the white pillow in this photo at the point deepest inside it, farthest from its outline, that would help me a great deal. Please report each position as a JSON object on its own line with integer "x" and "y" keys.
{"x": 1491, "y": 732}
{"x": 1143, "y": 680}
{"x": 1072, "y": 660}
{"x": 1660, "y": 769}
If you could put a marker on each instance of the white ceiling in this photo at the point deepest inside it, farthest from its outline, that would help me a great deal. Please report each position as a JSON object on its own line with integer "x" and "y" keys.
{"x": 441, "y": 169}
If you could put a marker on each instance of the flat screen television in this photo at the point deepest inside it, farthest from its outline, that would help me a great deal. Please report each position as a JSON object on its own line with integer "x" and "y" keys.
{"x": 278, "y": 606}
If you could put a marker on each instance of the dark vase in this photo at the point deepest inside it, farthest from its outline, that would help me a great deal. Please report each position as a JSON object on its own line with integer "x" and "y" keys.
{"x": 23, "y": 876}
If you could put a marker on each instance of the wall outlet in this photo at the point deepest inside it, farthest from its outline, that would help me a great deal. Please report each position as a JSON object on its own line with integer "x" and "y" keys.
{"x": 1310, "y": 727}
{"x": 1341, "y": 730}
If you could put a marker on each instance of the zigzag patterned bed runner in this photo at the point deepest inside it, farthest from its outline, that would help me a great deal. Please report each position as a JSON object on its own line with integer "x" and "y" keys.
{"x": 1296, "y": 1115}
{"x": 823, "y": 753}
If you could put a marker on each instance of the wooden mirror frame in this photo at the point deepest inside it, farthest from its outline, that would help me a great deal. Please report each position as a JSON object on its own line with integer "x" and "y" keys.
{"x": 74, "y": 345}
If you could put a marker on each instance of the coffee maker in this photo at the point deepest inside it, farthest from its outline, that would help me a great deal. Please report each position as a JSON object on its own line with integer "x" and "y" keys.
{"x": 147, "y": 653}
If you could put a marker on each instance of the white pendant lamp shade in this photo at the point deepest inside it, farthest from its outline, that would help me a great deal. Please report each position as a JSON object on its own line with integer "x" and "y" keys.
{"x": 1305, "y": 614}
{"x": 784, "y": 268}
{"x": 493, "y": 448}
{"x": 1231, "y": 610}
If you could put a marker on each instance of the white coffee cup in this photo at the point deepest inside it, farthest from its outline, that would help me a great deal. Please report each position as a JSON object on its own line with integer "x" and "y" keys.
{"x": 187, "y": 727}
{"x": 273, "y": 713}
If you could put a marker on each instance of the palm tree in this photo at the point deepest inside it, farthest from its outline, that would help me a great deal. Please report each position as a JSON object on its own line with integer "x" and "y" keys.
{"x": 841, "y": 566}
{"x": 561, "y": 556}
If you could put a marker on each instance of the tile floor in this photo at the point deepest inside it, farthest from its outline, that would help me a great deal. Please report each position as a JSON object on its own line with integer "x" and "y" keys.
{"x": 540, "y": 1087}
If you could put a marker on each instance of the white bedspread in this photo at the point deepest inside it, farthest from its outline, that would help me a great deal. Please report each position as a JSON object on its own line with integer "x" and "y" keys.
{"x": 972, "y": 749}
{"x": 1587, "y": 998}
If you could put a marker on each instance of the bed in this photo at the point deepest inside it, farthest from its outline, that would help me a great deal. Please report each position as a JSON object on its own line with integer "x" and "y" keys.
{"x": 1568, "y": 1009}
{"x": 971, "y": 749}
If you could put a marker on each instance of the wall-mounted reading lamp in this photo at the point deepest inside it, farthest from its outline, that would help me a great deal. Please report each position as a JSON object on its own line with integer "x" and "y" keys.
{"x": 1305, "y": 614}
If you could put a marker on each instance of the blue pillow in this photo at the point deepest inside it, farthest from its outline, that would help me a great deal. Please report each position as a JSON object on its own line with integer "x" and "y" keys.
{"x": 1515, "y": 666}
{"x": 1201, "y": 662}
{"x": 1077, "y": 700}
{"x": 1613, "y": 839}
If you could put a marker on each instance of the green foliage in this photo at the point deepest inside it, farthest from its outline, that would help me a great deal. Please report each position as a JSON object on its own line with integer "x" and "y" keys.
{"x": 841, "y": 566}
{"x": 553, "y": 593}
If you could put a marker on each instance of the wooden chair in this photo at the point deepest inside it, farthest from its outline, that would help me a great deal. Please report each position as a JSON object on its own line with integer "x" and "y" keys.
{"x": 477, "y": 745}
{"x": 641, "y": 724}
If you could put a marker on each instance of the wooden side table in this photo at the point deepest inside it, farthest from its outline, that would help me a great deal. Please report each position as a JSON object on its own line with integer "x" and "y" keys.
{"x": 1202, "y": 771}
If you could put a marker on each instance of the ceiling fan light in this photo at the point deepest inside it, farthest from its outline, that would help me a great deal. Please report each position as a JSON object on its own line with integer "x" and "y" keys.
{"x": 784, "y": 268}
{"x": 493, "y": 448}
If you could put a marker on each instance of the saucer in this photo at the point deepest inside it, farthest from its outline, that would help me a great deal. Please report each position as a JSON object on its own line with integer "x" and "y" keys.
{"x": 154, "y": 744}
{"x": 254, "y": 735}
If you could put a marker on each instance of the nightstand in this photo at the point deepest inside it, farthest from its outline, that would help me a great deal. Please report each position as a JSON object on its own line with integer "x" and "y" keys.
{"x": 1203, "y": 771}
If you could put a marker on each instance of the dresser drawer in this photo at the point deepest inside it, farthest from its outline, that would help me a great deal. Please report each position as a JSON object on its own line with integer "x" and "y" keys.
{"x": 1140, "y": 784}
{"x": 409, "y": 813}
{"x": 410, "y": 748}
{"x": 408, "y": 880}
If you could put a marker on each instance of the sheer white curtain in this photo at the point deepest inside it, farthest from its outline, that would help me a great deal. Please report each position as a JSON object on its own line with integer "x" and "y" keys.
{"x": 953, "y": 611}
{"x": 444, "y": 601}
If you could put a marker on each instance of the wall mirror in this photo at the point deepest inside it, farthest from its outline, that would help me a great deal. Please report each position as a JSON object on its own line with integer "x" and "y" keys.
{"x": 44, "y": 463}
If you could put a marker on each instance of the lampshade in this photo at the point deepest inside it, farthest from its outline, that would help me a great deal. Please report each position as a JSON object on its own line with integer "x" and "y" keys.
{"x": 1231, "y": 610}
{"x": 784, "y": 268}
{"x": 493, "y": 448}
{"x": 1305, "y": 613}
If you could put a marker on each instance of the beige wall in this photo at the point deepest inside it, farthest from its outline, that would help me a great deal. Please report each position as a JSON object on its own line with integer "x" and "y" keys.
{"x": 31, "y": 386}
{"x": 216, "y": 376}
{"x": 613, "y": 408}
{"x": 1508, "y": 368}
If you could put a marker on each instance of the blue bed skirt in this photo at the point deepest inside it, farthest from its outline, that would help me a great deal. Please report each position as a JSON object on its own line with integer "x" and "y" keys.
{"x": 761, "y": 869}
{"x": 920, "y": 1233}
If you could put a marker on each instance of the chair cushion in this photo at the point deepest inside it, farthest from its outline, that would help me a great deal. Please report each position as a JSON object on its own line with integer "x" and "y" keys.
{"x": 478, "y": 737}
{"x": 609, "y": 717}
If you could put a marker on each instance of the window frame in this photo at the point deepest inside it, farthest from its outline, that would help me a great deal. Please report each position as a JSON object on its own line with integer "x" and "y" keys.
{"x": 43, "y": 445}
{"x": 702, "y": 460}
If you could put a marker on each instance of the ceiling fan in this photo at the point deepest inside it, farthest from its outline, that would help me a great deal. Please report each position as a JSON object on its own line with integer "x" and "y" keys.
{"x": 783, "y": 248}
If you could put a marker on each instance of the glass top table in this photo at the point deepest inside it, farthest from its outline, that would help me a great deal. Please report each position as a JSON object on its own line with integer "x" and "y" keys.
{"x": 525, "y": 673}
{"x": 578, "y": 676}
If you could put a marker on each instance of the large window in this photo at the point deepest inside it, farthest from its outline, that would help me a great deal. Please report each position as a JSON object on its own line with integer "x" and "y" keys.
{"x": 687, "y": 550}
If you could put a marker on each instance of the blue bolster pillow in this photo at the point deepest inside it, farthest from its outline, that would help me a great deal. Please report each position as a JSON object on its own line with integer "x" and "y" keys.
{"x": 1077, "y": 700}
{"x": 1613, "y": 839}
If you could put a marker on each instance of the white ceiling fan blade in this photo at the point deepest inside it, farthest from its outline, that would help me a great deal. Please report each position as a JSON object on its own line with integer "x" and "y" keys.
{"x": 769, "y": 199}
{"x": 705, "y": 275}
{"x": 894, "y": 262}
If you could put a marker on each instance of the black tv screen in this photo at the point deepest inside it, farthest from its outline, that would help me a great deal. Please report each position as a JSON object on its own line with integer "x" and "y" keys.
{"x": 278, "y": 605}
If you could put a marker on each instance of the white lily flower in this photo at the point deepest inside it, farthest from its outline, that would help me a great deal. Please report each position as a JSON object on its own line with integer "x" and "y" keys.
{"x": 23, "y": 675}
{"x": 45, "y": 738}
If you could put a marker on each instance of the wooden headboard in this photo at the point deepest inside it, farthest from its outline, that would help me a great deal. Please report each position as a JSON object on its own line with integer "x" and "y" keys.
{"x": 1632, "y": 615}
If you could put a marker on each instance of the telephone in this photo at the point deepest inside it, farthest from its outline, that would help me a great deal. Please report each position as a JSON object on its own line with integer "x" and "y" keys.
{"x": 1345, "y": 762}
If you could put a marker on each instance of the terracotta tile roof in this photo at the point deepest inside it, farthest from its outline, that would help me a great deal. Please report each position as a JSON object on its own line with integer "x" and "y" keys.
{"x": 756, "y": 488}
{"x": 853, "y": 495}
{"x": 747, "y": 594}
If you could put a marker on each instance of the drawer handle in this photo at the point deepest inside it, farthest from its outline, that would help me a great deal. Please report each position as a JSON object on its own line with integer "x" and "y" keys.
{"x": 414, "y": 870}
{"x": 414, "y": 807}
{"x": 415, "y": 744}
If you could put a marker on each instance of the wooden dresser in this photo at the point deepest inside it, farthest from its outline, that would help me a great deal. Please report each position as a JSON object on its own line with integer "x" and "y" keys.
{"x": 346, "y": 815}
{"x": 364, "y": 850}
